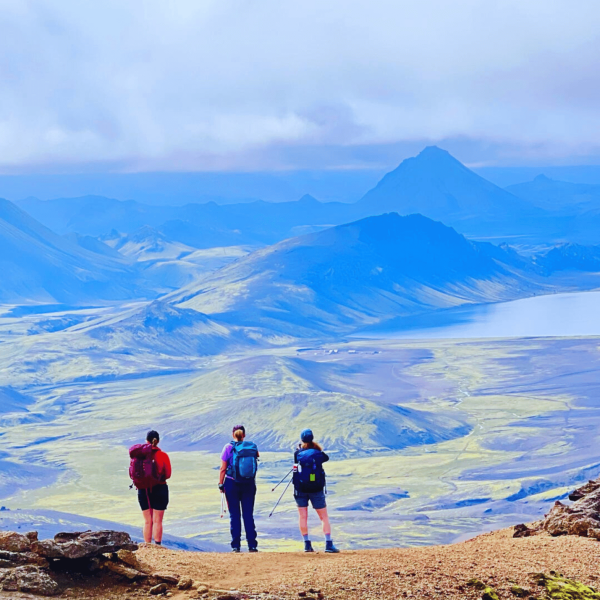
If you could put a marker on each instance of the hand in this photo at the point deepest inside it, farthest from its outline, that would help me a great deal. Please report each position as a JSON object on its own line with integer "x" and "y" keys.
{"x": 222, "y": 488}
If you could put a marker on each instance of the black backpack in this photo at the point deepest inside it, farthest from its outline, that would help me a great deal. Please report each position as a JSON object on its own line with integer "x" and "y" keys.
{"x": 310, "y": 475}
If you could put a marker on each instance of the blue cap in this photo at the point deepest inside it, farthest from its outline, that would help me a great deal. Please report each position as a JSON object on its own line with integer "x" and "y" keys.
{"x": 307, "y": 436}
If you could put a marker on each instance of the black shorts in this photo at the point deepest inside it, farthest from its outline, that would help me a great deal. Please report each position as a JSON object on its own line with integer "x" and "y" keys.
{"x": 159, "y": 497}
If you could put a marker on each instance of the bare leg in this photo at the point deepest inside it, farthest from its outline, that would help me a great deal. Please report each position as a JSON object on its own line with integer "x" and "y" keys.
{"x": 322, "y": 512}
{"x": 147, "y": 525}
{"x": 157, "y": 528}
{"x": 303, "y": 520}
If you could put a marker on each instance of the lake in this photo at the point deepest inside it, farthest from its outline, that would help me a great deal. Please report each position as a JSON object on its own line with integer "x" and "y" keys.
{"x": 553, "y": 315}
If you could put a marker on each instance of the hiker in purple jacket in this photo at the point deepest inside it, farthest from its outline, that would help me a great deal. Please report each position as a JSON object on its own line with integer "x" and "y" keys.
{"x": 239, "y": 462}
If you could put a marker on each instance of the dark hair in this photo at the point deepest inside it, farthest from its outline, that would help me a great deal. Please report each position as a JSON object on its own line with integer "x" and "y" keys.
{"x": 239, "y": 433}
{"x": 153, "y": 437}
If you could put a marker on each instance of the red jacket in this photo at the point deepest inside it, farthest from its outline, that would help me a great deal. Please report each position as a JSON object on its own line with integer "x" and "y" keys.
{"x": 163, "y": 463}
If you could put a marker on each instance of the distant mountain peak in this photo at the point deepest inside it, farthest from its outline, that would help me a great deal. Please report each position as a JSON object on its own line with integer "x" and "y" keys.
{"x": 439, "y": 186}
{"x": 308, "y": 198}
{"x": 434, "y": 152}
{"x": 541, "y": 178}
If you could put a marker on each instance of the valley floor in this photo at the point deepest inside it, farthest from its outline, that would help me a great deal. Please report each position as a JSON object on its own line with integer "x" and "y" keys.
{"x": 427, "y": 572}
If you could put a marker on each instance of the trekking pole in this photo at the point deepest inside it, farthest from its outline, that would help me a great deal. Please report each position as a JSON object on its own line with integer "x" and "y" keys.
{"x": 273, "y": 489}
{"x": 280, "y": 497}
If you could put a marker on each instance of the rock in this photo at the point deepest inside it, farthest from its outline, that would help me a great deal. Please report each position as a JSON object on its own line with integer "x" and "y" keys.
{"x": 159, "y": 589}
{"x": 129, "y": 558}
{"x": 519, "y": 592}
{"x": 83, "y": 545}
{"x": 14, "y": 542}
{"x": 582, "y": 492}
{"x": 32, "y": 536}
{"x": 581, "y": 519}
{"x": 489, "y": 594}
{"x": 567, "y": 520}
{"x": 476, "y": 584}
{"x": 15, "y": 559}
{"x": 166, "y": 578}
{"x": 185, "y": 583}
{"x": 9, "y": 581}
{"x": 522, "y": 531}
{"x": 35, "y": 580}
{"x": 124, "y": 570}
{"x": 202, "y": 589}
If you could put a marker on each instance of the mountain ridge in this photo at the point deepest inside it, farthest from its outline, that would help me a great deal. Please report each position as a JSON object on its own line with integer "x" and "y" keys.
{"x": 355, "y": 274}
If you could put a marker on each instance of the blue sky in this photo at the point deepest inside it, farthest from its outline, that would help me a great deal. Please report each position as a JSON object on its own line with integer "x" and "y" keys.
{"x": 202, "y": 85}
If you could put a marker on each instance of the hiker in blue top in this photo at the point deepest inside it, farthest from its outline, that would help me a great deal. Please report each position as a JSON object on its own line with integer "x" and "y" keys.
{"x": 309, "y": 486}
{"x": 239, "y": 462}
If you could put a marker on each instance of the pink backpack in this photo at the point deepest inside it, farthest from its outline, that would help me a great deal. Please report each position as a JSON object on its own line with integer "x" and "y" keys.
{"x": 143, "y": 469}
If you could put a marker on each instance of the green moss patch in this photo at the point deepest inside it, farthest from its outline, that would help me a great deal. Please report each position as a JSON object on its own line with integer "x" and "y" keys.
{"x": 489, "y": 594}
{"x": 560, "y": 588}
{"x": 519, "y": 592}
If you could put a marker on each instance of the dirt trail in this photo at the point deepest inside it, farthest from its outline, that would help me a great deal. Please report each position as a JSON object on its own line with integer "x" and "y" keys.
{"x": 497, "y": 559}
{"x": 428, "y": 572}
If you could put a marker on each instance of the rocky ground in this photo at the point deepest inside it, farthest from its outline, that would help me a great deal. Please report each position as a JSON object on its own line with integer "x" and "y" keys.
{"x": 557, "y": 558}
{"x": 497, "y": 560}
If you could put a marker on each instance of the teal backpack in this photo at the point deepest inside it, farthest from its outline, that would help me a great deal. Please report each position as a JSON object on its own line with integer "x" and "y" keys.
{"x": 244, "y": 461}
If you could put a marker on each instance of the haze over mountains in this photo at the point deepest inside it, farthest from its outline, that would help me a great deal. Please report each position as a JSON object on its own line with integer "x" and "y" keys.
{"x": 433, "y": 184}
{"x": 38, "y": 265}
{"x": 559, "y": 196}
{"x": 149, "y": 250}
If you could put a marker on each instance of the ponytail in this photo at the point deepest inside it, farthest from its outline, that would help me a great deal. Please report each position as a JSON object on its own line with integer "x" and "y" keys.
{"x": 153, "y": 438}
{"x": 238, "y": 435}
{"x": 312, "y": 446}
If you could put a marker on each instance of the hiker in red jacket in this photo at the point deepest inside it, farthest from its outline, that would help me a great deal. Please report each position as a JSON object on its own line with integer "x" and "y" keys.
{"x": 154, "y": 498}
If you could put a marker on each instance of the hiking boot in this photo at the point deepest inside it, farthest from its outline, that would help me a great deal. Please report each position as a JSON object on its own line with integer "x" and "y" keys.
{"x": 329, "y": 547}
{"x": 252, "y": 549}
{"x": 234, "y": 549}
{"x": 308, "y": 546}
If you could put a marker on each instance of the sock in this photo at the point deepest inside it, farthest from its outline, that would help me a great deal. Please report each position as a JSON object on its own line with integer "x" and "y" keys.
{"x": 327, "y": 537}
{"x": 158, "y": 543}
{"x": 305, "y": 537}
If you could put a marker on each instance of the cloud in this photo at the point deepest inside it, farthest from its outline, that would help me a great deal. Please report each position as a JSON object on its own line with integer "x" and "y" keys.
{"x": 256, "y": 84}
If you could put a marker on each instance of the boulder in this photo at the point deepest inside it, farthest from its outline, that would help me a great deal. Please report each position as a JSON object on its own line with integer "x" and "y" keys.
{"x": 14, "y": 542}
{"x": 32, "y": 536}
{"x": 83, "y": 545}
{"x": 34, "y": 580}
{"x": 159, "y": 589}
{"x": 582, "y": 492}
{"x": 522, "y": 531}
{"x": 129, "y": 558}
{"x": 167, "y": 578}
{"x": 9, "y": 580}
{"x": 15, "y": 559}
{"x": 123, "y": 570}
{"x": 582, "y": 518}
{"x": 185, "y": 583}
{"x": 567, "y": 520}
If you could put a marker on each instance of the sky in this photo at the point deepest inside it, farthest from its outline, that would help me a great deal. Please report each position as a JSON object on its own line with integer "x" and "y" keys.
{"x": 265, "y": 85}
